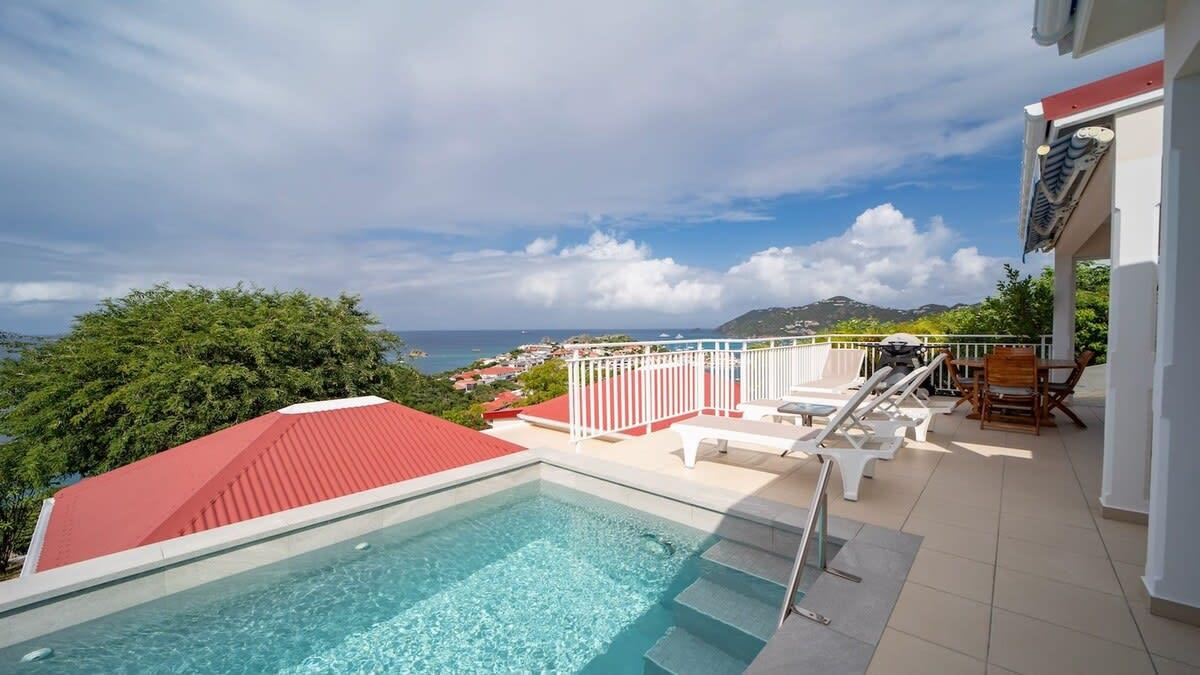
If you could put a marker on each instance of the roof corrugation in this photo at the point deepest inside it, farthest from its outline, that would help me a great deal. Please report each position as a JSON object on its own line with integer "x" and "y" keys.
{"x": 259, "y": 467}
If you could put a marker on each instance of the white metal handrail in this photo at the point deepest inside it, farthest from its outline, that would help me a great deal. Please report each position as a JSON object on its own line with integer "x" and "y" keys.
{"x": 816, "y": 523}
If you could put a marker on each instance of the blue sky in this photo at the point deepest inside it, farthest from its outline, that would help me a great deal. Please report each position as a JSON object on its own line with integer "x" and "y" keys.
{"x": 518, "y": 164}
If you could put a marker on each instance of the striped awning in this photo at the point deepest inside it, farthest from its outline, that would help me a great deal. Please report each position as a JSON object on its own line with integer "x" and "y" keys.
{"x": 1065, "y": 165}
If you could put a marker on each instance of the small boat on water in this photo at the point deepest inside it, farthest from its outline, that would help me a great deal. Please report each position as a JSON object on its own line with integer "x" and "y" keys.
{"x": 679, "y": 336}
{"x": 664, "y": 335}
{"x": 417, "y": 353}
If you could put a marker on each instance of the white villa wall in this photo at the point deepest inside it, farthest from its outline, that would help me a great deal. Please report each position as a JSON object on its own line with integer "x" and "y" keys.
{"x": 1136, "y": 189}
{"x": 1172, "y": 574}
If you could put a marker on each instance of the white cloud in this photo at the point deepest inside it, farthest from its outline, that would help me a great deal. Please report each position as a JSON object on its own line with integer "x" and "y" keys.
{"x": 56, "y": 291}
{"x": 541, "y": 246}
{"x": 610, "y": 274}
{"x": 606, "y": 246}
{"x": 883, "y": 257}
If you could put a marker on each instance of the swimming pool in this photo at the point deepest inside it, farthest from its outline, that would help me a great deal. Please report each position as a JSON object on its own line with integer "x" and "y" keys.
{"x": 537, "y": 578}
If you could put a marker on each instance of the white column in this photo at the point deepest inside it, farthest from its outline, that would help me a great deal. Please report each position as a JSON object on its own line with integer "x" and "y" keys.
{"x": 1064, "y": 305}
{"x": 1124, "y": 491}
{"x": 1173, "y": 547}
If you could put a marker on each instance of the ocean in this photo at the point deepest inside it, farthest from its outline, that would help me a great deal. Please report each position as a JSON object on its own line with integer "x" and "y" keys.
{"x": 450, "y": 349}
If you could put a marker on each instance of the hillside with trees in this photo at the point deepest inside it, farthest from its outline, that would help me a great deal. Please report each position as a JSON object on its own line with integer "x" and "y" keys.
{"x": 1021, "y": 305}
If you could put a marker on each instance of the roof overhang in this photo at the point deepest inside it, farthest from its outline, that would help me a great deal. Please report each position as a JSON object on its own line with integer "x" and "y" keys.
{"x": 1046, "y": 122}
{"x": 1080, "y": 27}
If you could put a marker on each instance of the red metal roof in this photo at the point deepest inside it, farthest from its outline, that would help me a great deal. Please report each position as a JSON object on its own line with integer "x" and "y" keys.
{"x": 1102, "y": 92}
{"x": 502, "y": 400}
{"x": 271, "y": 463}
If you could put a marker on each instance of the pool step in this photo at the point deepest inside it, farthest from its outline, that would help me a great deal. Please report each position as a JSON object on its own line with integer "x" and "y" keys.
{"x": 740, "y": 624}
{"x": 755, "y": 572}
{"x": 681, "y": 653}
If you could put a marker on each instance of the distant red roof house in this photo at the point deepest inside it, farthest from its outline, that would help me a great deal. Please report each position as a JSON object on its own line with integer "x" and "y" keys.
{"x": 300, "y": 455}
{"x": 490, "y": 371}
{"x": 502, "y": 400}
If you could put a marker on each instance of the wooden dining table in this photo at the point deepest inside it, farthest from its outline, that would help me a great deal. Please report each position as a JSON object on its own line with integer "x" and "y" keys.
{"x": 1044, "y": 366}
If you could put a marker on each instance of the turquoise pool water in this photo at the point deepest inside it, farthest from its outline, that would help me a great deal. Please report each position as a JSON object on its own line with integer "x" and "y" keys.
{"x": 535, "y": 579}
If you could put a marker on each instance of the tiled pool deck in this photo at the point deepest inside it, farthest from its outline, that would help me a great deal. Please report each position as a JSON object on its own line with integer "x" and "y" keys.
{"x": 1017, "y": 572}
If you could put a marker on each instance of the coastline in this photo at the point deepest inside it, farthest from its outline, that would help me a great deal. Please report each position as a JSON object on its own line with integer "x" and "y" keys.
{"x": 451, "y": 349}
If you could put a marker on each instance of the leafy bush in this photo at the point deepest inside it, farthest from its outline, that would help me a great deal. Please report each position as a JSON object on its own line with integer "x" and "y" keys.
{"x": 1021, "y": 306}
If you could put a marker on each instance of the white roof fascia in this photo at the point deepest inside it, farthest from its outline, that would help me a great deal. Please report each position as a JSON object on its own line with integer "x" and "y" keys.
{"x": 39, "y": 538}
{"x": 1035, "y": 135}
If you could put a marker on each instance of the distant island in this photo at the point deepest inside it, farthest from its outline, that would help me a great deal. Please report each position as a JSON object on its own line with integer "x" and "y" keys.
{"x": 12, "y": 343}
{"x": 817, "y": 316}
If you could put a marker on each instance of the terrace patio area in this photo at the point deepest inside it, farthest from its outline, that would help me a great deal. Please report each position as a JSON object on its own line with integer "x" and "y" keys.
{"x": 1018, "y": 572}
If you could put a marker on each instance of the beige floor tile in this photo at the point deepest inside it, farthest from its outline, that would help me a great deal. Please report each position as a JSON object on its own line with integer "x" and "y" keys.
{"x": 878, "y": 494}
{"x": 957, "y": 513}
{"x": 964, "y": 492}
{"x": 1119, "y": 528}
{"x": 1166, "y": 666}
{"x": 899, "y": 653}
{"x": 1048, "y": 509}
{"x": 960, "y": 541}
{"x": 953, "y": 574}
{"x": 1057, "y": 564}
{"x": 1173, "y": 639}
{"x": 1130, "y": 577}
{"x": 1100, "y": 614}
{"x": 993, "y": 669}
{"x": 1030, "y": 646}
{"x": 886, "y": 478}
{"x": 943, "y": 618}
{"x": 1082, "y": 540}
{"x": 866, "y": 513}
{"x": 1131, "y": 550}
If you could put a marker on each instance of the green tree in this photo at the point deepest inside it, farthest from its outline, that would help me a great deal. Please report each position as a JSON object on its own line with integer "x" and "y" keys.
{"x": 470, "y": 416}
{"x": 544, "y": 381}
{"x": 162, "y": 366}
{"x": 1091, "y": 308}
{"x": 1021, "y": 306}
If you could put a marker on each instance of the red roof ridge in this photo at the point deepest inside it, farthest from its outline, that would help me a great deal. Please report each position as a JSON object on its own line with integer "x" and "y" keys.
{"x": 193, "y": 507}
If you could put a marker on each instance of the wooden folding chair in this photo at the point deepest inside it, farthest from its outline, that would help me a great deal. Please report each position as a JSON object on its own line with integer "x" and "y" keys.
{"x": 1057, "y": 393}
{"x": 1022, "y": 350}
{"x": 1010, "y": 383}
{"x": 966, "y": 391}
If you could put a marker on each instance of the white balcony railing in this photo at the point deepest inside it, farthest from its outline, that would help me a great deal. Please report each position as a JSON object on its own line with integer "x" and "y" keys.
{"x": 616, "y": 388}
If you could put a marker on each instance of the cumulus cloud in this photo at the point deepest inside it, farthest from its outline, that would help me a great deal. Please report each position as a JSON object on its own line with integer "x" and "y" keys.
{"x": 541, "y": 246}
{"x": 608, "y": 273}
{"x": 883, "y": 257}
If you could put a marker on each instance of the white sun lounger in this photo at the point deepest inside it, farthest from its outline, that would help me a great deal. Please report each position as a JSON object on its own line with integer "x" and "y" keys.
{"x": 839, "y": 374}
{"x": 897, "y": 408}
{"x": 855, "y": 453}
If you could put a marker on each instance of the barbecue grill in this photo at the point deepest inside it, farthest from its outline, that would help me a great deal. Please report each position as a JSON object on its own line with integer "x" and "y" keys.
{"x": 903, "y": 353}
